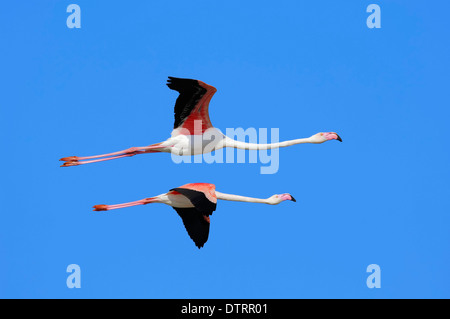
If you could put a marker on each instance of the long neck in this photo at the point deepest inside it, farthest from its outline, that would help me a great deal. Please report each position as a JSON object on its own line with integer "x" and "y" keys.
{"x": 238, "y": 198}
{"x": 252, "y": 146}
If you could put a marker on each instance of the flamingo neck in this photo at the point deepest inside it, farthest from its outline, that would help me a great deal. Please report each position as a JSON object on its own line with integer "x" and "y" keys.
{"x": 252, "y": 146}
{"x": 238, "y": 198}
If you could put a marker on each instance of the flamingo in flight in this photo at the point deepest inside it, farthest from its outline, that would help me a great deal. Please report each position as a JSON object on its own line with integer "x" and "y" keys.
{"x": 194, "y": 203}
{"x": 193, "y": 130}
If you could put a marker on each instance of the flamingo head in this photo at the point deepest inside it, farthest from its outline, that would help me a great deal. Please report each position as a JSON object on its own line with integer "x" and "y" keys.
{"x": 276, "y": 199}
{"x": 320, "y": 138}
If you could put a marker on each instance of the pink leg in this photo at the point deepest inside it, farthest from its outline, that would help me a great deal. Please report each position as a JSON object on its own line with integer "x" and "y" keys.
{"x": 76, "y": 163}
{"x": 127, "y": 151}
{"x": 144, "y": 201}
{"x": 74, "y": 160}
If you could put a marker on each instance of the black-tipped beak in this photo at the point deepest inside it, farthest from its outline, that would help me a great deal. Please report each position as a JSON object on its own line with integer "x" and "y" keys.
{"x": 339, "y": 138}
{"x": 293, "y": 199}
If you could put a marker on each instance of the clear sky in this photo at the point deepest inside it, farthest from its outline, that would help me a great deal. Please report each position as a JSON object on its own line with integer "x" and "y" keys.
{"x": 380, "y": 197}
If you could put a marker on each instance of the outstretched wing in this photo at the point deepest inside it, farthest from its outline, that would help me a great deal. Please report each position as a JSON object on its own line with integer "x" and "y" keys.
{"x": 204, "y": 201}
{"x": 196, "y": 220}
{"x": 196, "y": 224}
{"x": 191, "y": 107}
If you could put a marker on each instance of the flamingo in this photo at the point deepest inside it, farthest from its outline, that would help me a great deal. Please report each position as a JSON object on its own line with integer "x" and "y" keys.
{"x": 193, "y": 130}
{"x": 194, "y": 203}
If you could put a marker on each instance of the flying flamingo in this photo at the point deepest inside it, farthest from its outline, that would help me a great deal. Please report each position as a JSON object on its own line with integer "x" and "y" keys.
{"x": 194, "y": 203}
{"x": 193, "y": 130}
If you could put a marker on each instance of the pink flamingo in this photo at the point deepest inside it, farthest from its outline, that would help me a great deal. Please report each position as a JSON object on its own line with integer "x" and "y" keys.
{"x": 193, "y": 129}
{"x": 194, "y": 203}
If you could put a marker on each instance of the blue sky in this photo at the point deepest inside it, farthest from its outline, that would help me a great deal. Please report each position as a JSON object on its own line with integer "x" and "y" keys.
{"x": 380, "y": 197}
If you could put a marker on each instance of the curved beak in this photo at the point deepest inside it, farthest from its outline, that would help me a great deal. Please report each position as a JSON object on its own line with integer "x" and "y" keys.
{"x": 339, "y": 138}
{"x": 293, "y": 199}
